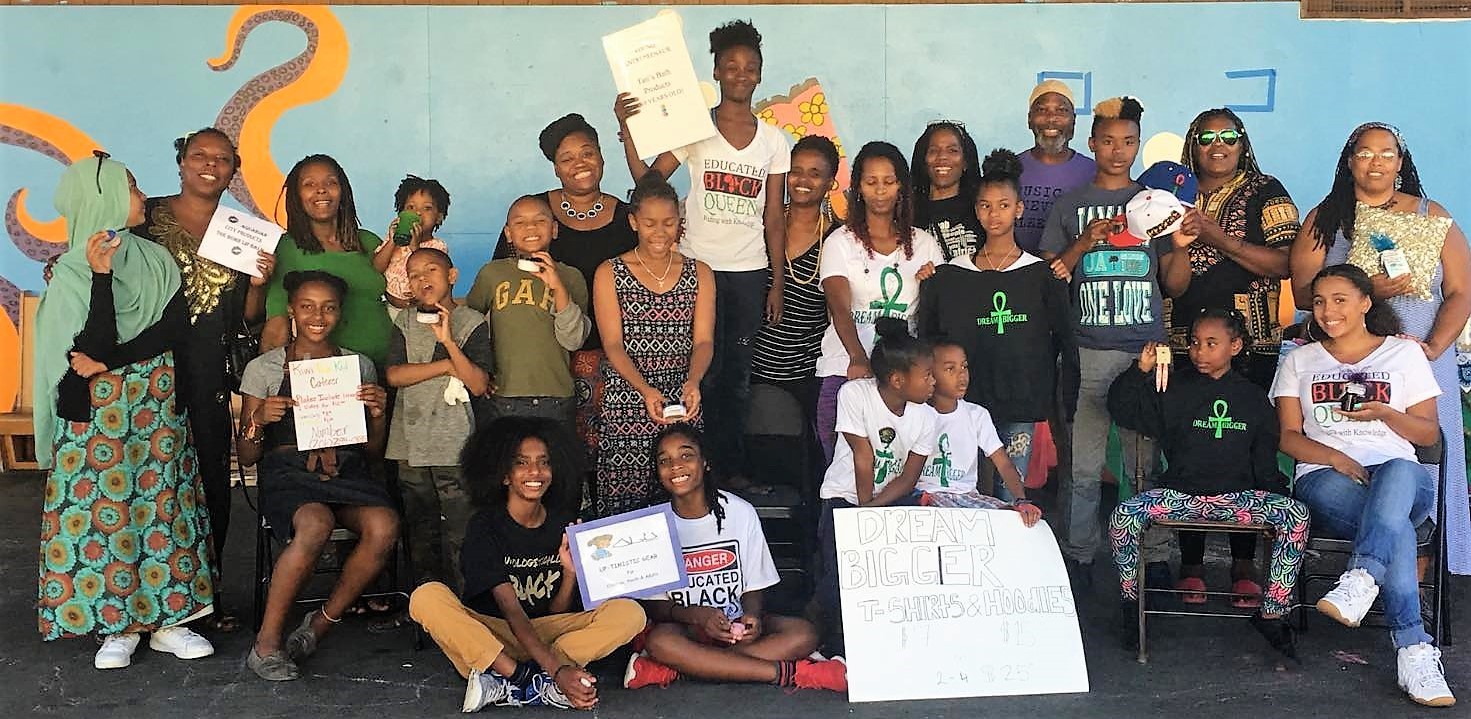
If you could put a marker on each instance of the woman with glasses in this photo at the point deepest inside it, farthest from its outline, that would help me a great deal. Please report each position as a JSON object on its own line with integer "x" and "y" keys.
{"x": 1247, "y": 222}
{"x": 1378, "y": 218}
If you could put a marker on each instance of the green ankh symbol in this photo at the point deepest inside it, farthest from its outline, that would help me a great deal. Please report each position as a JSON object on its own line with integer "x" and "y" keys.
{"x": 942, "y": 462}
{"x": 890, "y": 303}
{"x": 1219, "y": 419}
{"x": 1000, "y": 315}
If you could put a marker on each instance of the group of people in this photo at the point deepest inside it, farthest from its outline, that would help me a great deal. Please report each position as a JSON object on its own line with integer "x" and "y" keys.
{"x": 960, "y": 305}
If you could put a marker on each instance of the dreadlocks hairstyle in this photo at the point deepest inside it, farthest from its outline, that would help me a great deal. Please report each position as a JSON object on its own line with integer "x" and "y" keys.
{"x": 413, "y": 185}
{"x": 181, "y": 145}
{"x": 299, "y": 223}
{"x": 651, "y": 186}
{"x": 919, "y": 168}
{"x": 490, "y": 454}
{"x": 1380, "y": 320}
{"x": 903, "y": 209}
{"x": 1336, "y": 211}
{"x": 1246, "y": 163}
{"x": 1117, "y": 108}
{"x": 1002, "y": 167}
{"x": 708, "y": 486}
{"x": 736, "y": 33}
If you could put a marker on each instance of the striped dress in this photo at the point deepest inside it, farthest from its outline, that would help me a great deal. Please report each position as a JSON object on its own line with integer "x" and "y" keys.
{"x": 788, "y": 350}
{"x": 658, "y": 335}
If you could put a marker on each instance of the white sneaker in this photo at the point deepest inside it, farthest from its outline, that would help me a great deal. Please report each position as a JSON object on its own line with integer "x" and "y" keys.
{"x": 1422, "y": 676}
{"x": 1350, "y": 600}
{"x": 181, "y": 642}
{"x": 116, "y": 652}
{"x": 488, "y": 689}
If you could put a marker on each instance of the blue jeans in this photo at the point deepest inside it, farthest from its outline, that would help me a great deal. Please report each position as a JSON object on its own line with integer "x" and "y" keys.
{"x": 1381, "y": 519}
{"x": 1016, "y": 439}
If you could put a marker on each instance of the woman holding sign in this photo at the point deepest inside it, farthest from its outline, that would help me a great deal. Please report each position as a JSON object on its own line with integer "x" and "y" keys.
{"x": 1353, "y": 406}
{"x": 125, "y": 545}
{"x": 305, "y": 495}
{"x": 223, "y": 304}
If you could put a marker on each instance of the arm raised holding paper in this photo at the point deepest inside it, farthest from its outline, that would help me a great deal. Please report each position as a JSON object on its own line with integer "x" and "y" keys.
{"x": 665, "y": 163}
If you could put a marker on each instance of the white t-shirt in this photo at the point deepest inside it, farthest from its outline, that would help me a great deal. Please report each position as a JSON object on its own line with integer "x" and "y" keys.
{"x": 881, "y": 286}
{"x": 862, "y": 412}
{"x": 1396, "y": 374}
{"x": 961, "y": 437}
{"x": 726, "y": 563}
{"x": 725, "y": 212}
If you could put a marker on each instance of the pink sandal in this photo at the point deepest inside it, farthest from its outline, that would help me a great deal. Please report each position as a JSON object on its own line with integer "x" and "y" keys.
{"x": 1191, "y": 584}
{"x": 1248, "y": 594}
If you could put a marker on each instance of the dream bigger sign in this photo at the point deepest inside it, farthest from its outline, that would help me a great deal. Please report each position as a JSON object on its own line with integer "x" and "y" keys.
{"x": 954, "y": 603}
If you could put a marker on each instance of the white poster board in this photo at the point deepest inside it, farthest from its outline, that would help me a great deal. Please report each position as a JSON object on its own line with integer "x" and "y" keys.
{"x": 651, "y": 62}
{"x": 328, "y": 412}
{"x": 943, "y": 603}
{"x": 634, "y": 554}
{"x": 234, "y": 237}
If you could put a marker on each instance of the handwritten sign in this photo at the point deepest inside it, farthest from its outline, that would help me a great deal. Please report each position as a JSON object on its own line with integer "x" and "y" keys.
{"x": 634, "y": 554}
{"x": 328, "y": 412}
{"x": 651, "y": 62}
{"x": 234, "y": 237}
{"x": 942, "y": 603}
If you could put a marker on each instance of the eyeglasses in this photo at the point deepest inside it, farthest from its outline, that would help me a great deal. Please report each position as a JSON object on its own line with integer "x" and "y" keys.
{"x": 1207, "y": 138}
{"x": 100, "y": 155}
{"x": 1367, "y": 155}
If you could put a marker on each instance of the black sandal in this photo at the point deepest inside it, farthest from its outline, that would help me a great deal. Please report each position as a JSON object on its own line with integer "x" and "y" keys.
{"x": 1279, "y": 633}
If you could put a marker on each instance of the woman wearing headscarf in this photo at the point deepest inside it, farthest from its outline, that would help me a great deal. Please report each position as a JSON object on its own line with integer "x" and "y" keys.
{"x": 125, "y": 537}
{"x": 1377, "y": 204}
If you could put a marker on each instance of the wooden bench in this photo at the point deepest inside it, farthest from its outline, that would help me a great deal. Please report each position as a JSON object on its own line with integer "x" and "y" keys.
{"x": 17, "y": 433}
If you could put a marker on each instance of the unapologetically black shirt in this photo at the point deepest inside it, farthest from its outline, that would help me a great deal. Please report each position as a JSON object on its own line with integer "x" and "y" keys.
{"x": 499, "y": 550}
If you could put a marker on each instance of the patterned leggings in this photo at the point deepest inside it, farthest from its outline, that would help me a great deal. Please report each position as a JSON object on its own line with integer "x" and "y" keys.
{"x": 1288, "y": 517}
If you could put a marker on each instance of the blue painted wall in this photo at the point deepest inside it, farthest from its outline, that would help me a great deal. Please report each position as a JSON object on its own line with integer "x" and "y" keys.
{"x": 460, "y": 93}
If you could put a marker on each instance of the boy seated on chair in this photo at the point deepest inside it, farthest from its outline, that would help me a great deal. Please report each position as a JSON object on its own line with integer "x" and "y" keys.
{"x": 439, "y": 357}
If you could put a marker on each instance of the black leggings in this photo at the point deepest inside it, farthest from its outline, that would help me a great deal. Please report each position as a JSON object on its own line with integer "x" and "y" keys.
{"x": 1192, "y": 547}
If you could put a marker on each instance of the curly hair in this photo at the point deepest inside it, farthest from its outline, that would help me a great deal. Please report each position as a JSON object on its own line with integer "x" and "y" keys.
{"x": 412, "y": 185}
{"x": 903, "y": 208}
{"x": 299, "y": 223}
{"x": 822, "y": 146}
{"x": 490, "y": 455}
{"x": 736, "y": 33}
{"x": 1336, "y": 211}
{"x": 1117, "y": 108}
{"x": 1002, "y": 167}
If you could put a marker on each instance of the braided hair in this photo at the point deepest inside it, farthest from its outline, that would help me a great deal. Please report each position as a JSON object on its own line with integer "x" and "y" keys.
{"x": 1246, "y": 163}
{"x": 1235, "y": 323}
{"x": 919, "y": 168}
{"x": 1002, "y": 167}
{"x": 299, "y": 223}
{"x": 1336, "y": 211}
{"x": 708, "y": 486}
{"x": 903, "y": 208}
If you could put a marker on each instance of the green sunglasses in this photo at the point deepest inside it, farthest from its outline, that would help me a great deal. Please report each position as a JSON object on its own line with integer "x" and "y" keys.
{"x": 1208, "y": 137}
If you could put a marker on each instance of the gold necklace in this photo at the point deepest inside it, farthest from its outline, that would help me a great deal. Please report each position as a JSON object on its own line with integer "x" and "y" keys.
{"x": 657, "y": 278}
{"x": 816, "y": 270}
{"x": 1004, "y": 257}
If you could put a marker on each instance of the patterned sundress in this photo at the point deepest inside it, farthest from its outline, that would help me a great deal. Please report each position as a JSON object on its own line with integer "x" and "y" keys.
{"x": 658, "y": 335}
{"x": 125, "y": 533}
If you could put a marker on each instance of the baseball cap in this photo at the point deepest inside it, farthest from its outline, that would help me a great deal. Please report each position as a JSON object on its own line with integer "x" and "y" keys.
{"x": 1151, "y": 214}
{"x": 1046, "y": 86}
{"x": 1174, "y": 178}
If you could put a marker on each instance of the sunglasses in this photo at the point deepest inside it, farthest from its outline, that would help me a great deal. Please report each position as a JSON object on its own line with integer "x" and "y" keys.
{"x": 1367, "y": 155}
{"x": 1209, "y": 137}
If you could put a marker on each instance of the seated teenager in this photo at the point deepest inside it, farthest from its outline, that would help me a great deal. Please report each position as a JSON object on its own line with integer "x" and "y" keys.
{"x": 1219, "y": 436}
{"x": 1353, "y": 407}
{"x": 515, "y": 633}
{"x": 716, "y": 629}
{"x": 307, "y": 495}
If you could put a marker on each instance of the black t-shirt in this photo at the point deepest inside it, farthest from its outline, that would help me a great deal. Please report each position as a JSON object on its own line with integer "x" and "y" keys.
{"x": 585, "y": 250}
{"x": 953, "y": 223}
{"x": 498, "y": 550}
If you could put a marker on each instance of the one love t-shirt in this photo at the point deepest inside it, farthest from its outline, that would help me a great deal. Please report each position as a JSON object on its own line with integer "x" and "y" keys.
{"x": 880, "y": 285}
{"x": 961, "y": 437}
{"x": 725, "y": 212}
{"x": 1396, "y": 374}
{"x": 862, "y": 413}
{"x": 723, "y": 564}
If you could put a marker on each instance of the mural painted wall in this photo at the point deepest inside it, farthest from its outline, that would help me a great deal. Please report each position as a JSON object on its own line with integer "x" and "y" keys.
{"x": 460, "y": 94}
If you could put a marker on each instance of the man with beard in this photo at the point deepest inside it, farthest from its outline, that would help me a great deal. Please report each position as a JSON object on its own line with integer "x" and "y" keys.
{"x": 1050, "y": 168}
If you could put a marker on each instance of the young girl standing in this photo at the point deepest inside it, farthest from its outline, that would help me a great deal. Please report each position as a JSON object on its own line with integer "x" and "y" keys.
{"x": 963, "y": 432}
{"x": 1219, "y": 436}
{"x": 887, "y": 435}
{"x": 716, "y": 629}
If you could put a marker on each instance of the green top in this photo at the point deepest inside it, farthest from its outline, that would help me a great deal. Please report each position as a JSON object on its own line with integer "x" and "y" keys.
{"x": 520, "y": 306}
{"x": 365, "y": 327}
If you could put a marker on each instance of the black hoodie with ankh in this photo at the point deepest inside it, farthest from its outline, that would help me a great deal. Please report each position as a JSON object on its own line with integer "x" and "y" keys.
{"x": 1218, "y": 435}
{"x": 1016, "y": 327}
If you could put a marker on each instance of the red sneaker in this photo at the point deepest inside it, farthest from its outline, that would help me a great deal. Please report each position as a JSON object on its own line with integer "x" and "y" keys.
{"x": 643, "y": 672}
{"x": 1248, "y": 594}
{"x": 831, "y": 675}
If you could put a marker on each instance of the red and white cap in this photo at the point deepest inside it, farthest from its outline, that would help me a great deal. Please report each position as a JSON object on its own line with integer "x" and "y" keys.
{"x": 1151, "y": 214}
